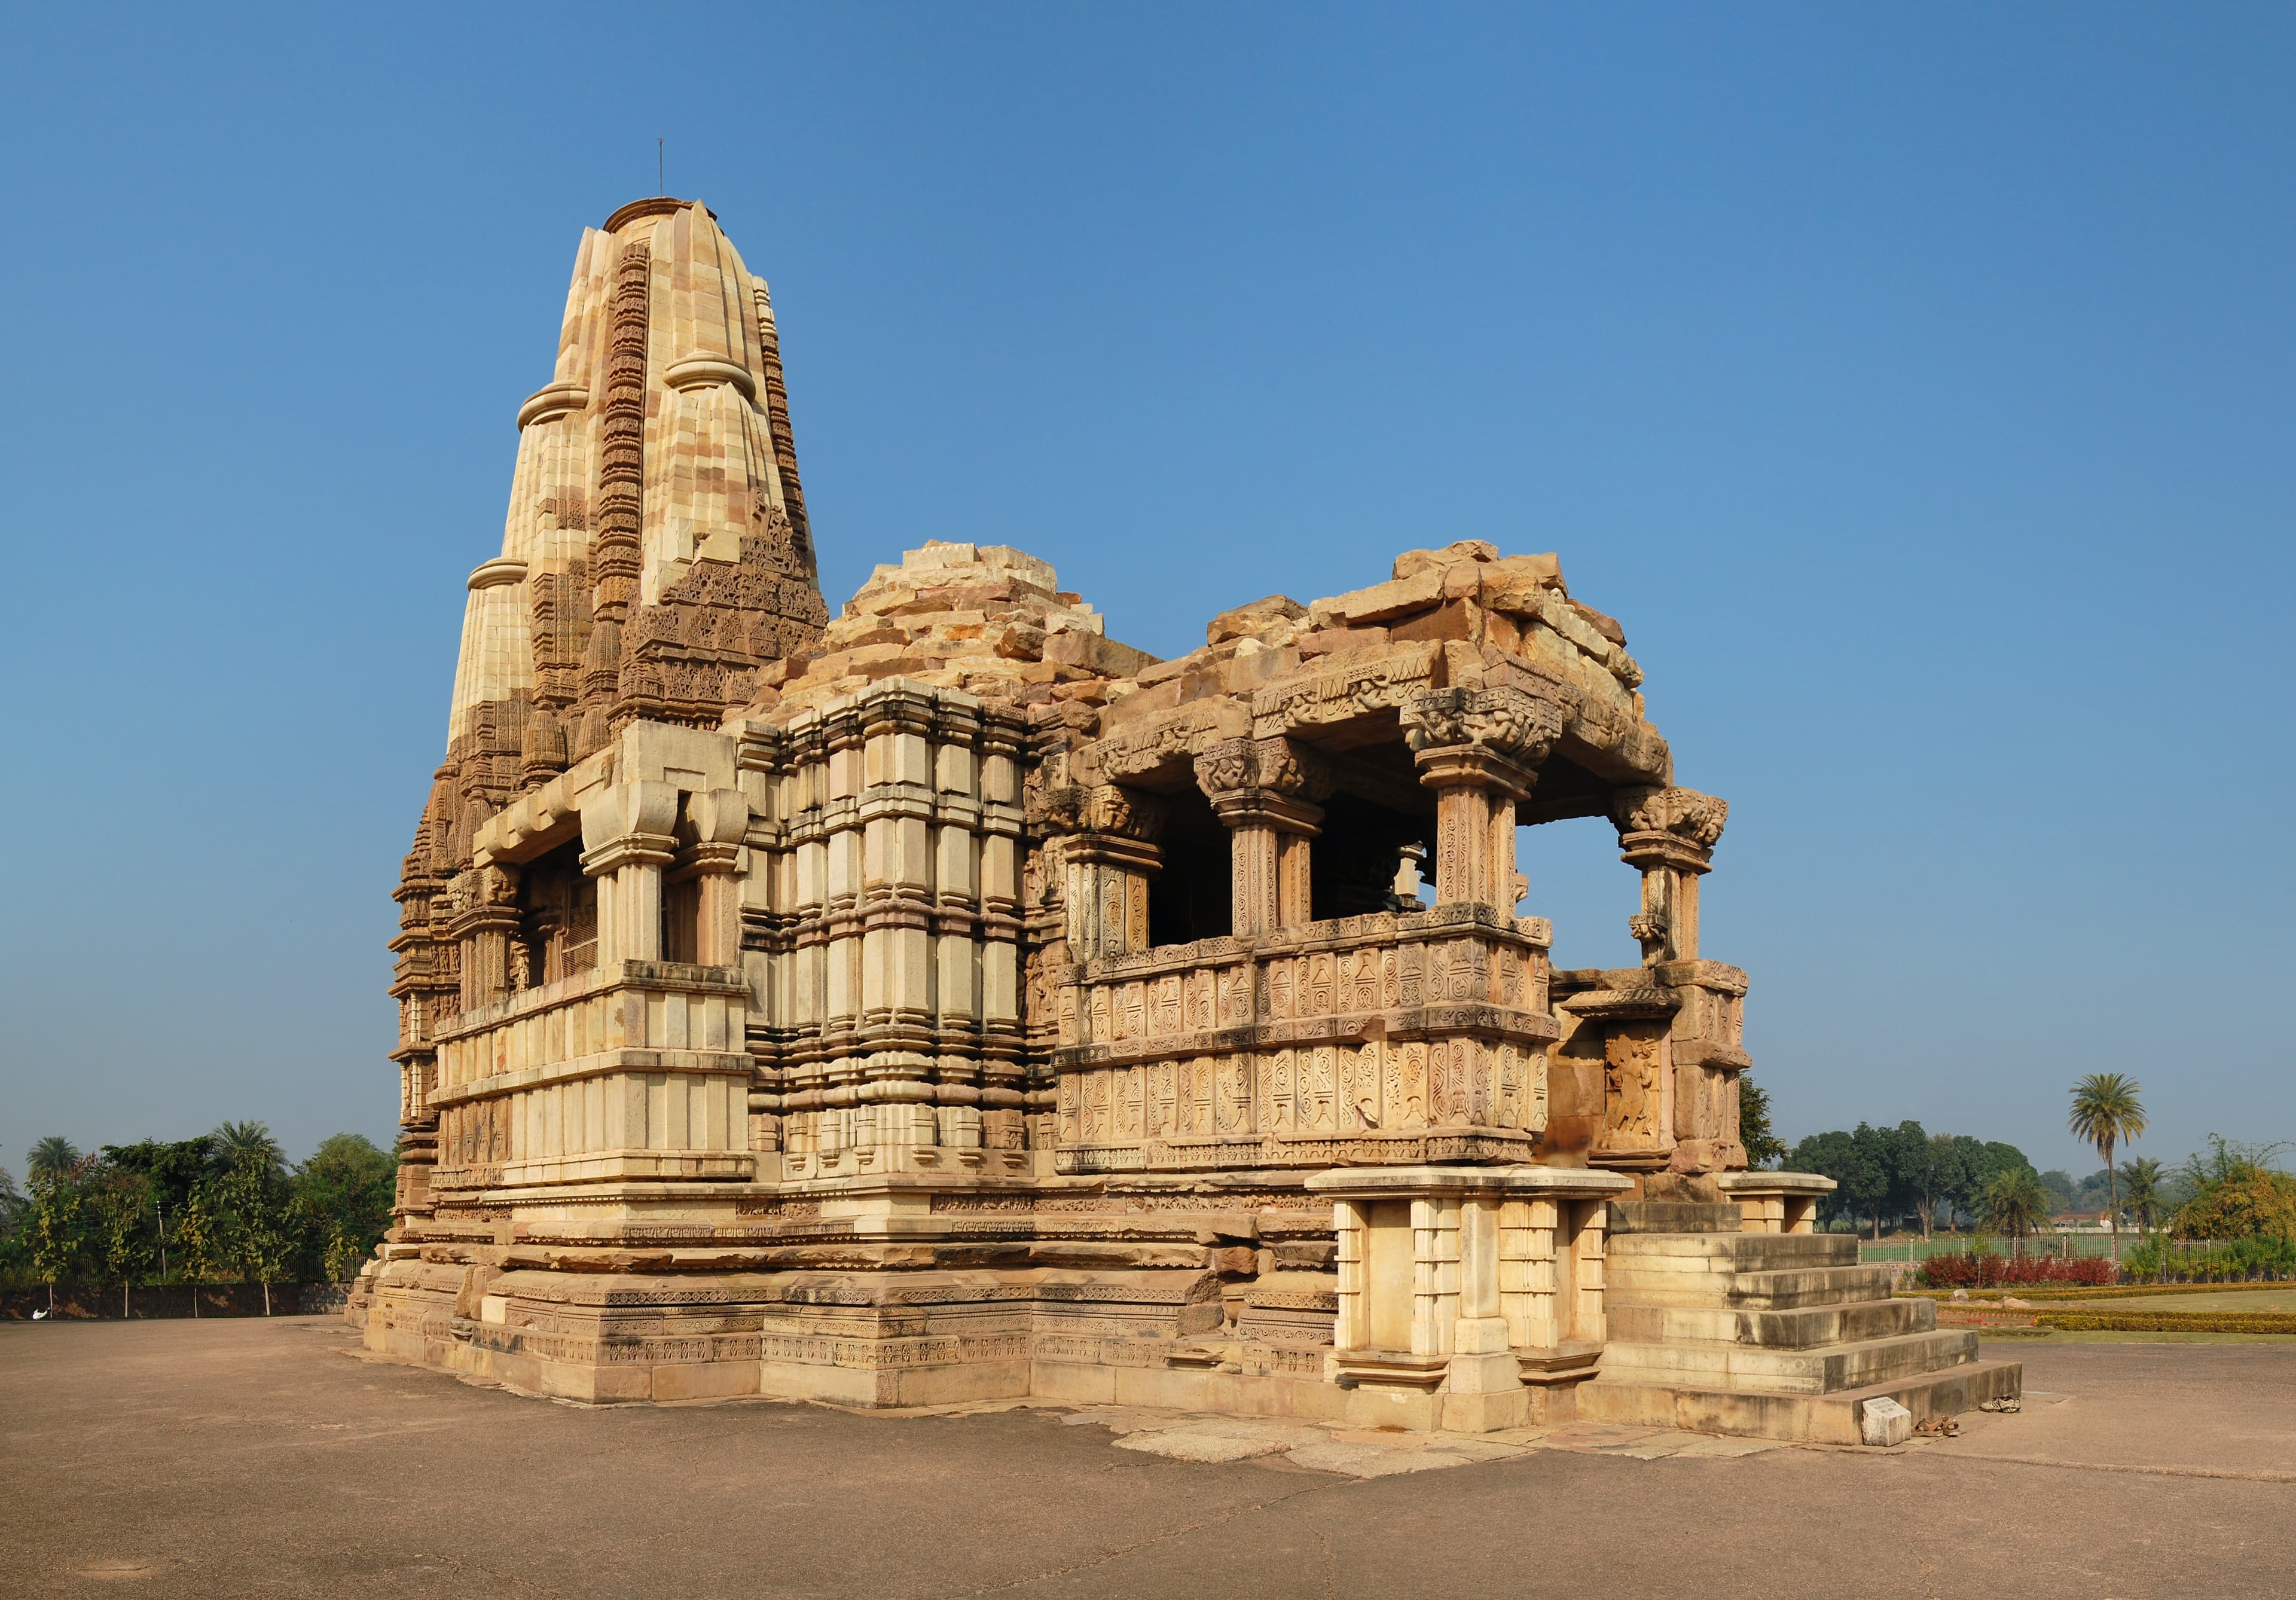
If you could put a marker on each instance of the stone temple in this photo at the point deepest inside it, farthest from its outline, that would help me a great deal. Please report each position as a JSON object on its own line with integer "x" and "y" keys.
{"x": 946, "y": 1002}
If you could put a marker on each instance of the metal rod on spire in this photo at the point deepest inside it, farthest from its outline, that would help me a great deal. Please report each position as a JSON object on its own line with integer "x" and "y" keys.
{"x": 660, "y": 186}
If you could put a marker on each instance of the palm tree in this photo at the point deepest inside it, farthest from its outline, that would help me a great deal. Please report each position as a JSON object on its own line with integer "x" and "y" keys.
{"x": 2142, "y": 1176}
{"x": 2106, "y": 1111}
{"x": 240, "y": 1141}
{"x": 2013, "y": 1204}
{"x": 52, "y": 1159}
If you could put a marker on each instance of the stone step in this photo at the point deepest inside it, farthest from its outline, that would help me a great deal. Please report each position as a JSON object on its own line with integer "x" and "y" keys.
{"x": 1808, "y": 1287}
{"x": 1798, "y": 1418}
{"x": 1731, "y": 1252}
{"x": 1695, "y": 1281}
{"x": 1826, "y": 1370}
{"x": 1671, "y": 1217}
{"x": 1800, "y": 1328}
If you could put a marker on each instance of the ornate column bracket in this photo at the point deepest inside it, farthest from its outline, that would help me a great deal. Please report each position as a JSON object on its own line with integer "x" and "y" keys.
{"x": 1264, "y": 792}
{"x": 1669, "y": 836}
{"x": 1478, "y": 749}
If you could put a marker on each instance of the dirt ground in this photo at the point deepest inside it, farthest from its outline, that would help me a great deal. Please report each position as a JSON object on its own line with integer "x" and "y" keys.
{"x": 250, "y": 1457}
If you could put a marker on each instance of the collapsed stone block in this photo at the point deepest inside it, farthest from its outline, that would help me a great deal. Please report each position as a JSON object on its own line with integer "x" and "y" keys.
{"x": 1884, "y": 1422}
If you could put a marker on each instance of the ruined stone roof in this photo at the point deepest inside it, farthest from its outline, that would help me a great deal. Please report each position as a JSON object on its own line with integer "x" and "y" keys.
{"x": 987, "y": 619}
{"x": 992, "y": 623}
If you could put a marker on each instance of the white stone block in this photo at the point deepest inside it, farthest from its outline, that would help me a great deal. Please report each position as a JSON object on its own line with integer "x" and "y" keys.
{"x": 1884, "y": 1422}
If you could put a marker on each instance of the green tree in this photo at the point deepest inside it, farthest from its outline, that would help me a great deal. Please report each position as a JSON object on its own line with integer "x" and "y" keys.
{"x": 198, "y": 1240}
{"x": 248, "y": 1141}
{"x": 174, "y": 1170}
{"x": 2237, "y": 1194}
{"x": 1872, "y": 1174}
{"x": 2063, "y": 1194}
{"x": 121, "y": 1202}
{"x": 346, "y": 1191}
{"x": 259, "y": 1229}
{"x": 57, "y": 1226}
{"x": 1829, "y": 1155}
{"x": 2105, "y": 1111}
{"x": 1913, "y": 1179}
{"x": 2013, "y": 1205}
{"x": 1764, "y": 1148}
{"x": 2141, "y": 1183}
{"x": 53, "y": 1157}
{"x": 1946, "y": 1175}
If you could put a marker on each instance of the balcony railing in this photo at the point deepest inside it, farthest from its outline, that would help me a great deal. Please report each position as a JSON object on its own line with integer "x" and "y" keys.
{"x": 1405, "y": 1037}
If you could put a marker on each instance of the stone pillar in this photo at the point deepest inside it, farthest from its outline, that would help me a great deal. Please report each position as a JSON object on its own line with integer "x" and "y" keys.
{"x": 627, "y": 837}
{"x": 1005, "y": 1096}
{"x": 1263, "y": 790}
{"x": 1477, "y": 748}
{"x": 483, "y": 928}
{"x": 1108, "y": 860}
{"x": 1669, "y": 836}
{"x": 720, "y": 819}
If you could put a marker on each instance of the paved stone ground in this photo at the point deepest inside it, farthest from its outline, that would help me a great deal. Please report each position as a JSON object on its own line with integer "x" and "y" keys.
{"x": 246, "y": 1459}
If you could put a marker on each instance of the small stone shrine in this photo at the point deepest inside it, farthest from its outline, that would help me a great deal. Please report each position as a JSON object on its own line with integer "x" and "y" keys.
{"x": 946, "y": 1002}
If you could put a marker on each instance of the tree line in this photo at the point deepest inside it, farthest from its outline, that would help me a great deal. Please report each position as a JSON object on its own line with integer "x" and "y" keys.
{"x": 1892, "y": 1171}
{"x": 224, "y": 1207}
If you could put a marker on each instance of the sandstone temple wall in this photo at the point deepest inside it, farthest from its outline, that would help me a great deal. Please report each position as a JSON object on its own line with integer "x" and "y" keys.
{"x": 944, "y": 999}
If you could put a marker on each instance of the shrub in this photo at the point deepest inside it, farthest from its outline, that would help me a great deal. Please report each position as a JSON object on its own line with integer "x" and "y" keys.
{"x": 2233, "y": 1260}
{"x": 1983, "y": 1269}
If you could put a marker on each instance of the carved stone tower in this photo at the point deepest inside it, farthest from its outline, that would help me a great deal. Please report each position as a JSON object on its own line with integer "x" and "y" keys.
{"x": 656, "y": 553}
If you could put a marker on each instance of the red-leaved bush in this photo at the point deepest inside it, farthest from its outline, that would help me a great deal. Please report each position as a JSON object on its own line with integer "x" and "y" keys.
{"x": 1967, "y": 1270}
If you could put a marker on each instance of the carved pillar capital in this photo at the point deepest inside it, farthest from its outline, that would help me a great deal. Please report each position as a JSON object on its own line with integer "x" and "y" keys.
{"x": 1668, "y": 835}
{"x": 1281, "y": 776}
{"x": 1506, "y": 730}
{"x": 1678, "y": 826}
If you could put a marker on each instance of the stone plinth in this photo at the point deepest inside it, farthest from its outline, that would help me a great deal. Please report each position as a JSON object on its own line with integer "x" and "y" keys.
{"x": 1457, "y": 1282}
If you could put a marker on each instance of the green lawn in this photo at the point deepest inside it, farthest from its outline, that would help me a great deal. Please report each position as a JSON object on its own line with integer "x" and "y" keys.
{"x": 2198, "y": 1298}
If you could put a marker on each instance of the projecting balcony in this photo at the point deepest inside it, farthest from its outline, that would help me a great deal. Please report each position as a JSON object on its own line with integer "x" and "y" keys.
{"x": 636, "y": 1070}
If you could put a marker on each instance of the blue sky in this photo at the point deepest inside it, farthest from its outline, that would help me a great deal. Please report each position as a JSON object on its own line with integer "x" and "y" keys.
{"x": 1913, "y": 383}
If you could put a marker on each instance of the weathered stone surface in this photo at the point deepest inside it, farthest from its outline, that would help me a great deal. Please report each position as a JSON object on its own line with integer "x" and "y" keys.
{"x": 945, "y": 1002}
{"x": 1884, "y": 1422}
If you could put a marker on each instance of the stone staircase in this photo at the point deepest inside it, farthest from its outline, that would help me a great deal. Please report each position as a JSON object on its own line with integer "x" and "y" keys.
{"x": 1767, "y": 1335}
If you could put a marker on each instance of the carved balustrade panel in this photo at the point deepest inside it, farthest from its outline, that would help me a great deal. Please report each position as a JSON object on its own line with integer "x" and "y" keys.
{"x": 1374, "y": 1039}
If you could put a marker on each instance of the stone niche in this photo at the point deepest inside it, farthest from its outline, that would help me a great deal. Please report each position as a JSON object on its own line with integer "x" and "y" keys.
{"x": 943, "y": 1000}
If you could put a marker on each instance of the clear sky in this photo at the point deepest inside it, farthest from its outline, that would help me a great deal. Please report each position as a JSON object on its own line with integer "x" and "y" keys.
{"x": 1914, "y": 384}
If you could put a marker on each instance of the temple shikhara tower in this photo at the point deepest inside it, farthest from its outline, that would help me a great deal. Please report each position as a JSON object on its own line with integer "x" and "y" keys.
{"x": 945, "y": 1001}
